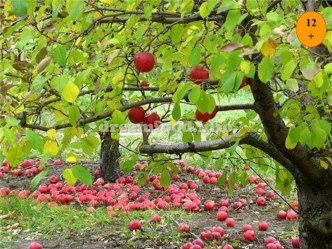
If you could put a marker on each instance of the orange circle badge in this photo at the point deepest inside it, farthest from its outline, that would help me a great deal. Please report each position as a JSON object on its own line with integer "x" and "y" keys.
{"x": 311, "y": 29}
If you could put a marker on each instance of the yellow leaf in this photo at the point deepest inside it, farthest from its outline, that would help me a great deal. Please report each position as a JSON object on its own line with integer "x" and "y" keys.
{"x": 324, "y": 164}
{"x": 106, "y": 1}
{"x": 51, "y": 147}
{"x": 78, "y": 131}
{"x": 289, "y": 144}
{"x": 269, "y": 48}
{"x": 71, "y": 159}
{"x": 59, "y": 112}
{"x": 51, "y": 134}
{"x": 70, "y": 92}
{"x": 96, "y": 14}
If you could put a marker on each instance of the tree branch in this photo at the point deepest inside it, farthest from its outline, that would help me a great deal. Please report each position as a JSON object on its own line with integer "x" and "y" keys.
{"x": 251, "y": 139}
{"x": 107, "y": 114}
{"x": 277, "y": 131}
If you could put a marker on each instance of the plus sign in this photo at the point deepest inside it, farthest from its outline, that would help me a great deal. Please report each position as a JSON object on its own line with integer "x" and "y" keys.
{"x": 311, "y": 36}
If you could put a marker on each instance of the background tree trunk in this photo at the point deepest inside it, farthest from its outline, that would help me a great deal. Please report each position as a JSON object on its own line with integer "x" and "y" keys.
{"x": 315, "y": 210}
{"x": 109, "y": 158}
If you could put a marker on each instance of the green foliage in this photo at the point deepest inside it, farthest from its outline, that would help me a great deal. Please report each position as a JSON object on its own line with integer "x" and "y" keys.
{"x": 66, "y": 65}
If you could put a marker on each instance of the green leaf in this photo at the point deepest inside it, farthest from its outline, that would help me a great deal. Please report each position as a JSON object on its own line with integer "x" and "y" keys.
{"x": 211, "y": 103}
{"x": 142, "y": 178}
{"x": 11, "y": 138}
{"x": 328, "y": 68}
{"x": 194, "y": 94}
{"x": 187, "y": 137}
{"x": 19, "y": 7}
{"x": 222, "y": 179}
{"x": 69, "y": 176}
{"x": 118, "y": 117}
{"x": 74, "y": 8}
{"x": 36, "y": 180}
{"x": 304, "y": 136}
{"x": 127, "y": 165}
{"x": 232, "y": 180}
{"x": 181, "y": 91}
{"x": 292, "y": 84}
{"x": 266, "y": 69}
{"x": 176, "y": 33}
{"x": 176, "y": 113}
{"x": 15, "y": 155}
{"x": 74, "y": 114}
{"x": 60, "y": 54}
{"x": 227, "y": 81}
{"x": 36, "y": 140}
{"x": 11, "y": 121}
{"x": 288, "y": 69}
{"x": 206, "y": 8}
{"x": 195, "y": 55}
{"x": 56, "y": 7}
{"x": 319, "y": 135}
{"x": 90, "y": 144}
{"x": 165, "y": 179}
{"x": 82, "y": 174}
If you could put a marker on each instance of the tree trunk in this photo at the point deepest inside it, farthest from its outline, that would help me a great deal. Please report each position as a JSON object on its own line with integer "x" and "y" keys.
{"x": 109, "y": 158}
{"x": 315, "y": 210}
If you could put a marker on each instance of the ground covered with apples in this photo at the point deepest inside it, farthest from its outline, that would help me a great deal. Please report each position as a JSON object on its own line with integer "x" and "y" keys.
{"x": 193, "y": 212}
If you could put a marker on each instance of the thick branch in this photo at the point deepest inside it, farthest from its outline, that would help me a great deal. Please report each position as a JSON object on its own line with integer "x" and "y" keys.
{"x": 218, "y": 144}
{"x": 277, "y": 131}
{"x": 166, "y": 19}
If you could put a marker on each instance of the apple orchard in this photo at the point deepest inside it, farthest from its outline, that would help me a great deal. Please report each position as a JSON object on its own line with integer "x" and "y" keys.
{"x": 71, "y": 68}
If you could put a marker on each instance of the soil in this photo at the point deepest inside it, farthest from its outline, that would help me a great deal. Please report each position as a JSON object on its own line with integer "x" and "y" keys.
{"x": 111, "y": 238}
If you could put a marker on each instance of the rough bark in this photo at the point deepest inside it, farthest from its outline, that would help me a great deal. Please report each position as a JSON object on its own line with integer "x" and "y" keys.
{"x": 109, "y": 158}
{"x": 315, "y": 226}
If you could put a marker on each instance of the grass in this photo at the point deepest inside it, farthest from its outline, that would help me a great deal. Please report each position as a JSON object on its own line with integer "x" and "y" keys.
{"x": 38, "y": 221}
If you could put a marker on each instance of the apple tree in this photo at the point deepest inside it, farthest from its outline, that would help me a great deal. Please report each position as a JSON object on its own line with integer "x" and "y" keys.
{"x": 71, "y": 70}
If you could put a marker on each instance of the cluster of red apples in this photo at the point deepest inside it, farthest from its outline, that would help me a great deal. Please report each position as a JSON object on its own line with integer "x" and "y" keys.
{"x": 125, "y": 196}
{"x": 144, "y": 62}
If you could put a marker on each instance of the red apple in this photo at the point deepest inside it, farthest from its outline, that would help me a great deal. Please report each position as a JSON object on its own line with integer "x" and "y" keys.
{"x": 221, "y": 215}
{"x": 282, "y": 214}
{"x": 246, "y": 227}
{"x": 152, "y": 120}
{"x": 249, "y": 235}
{"x": 269, "y": 240}
{"x": 155, "y": 218}
{"x": 230, "y": 222}
{"x": 209, "y": 205}
{"x": 35, "y": 245}
{"x": 198, "y": 74}
{"x": 228, "y": 247}
{"x": 187, "y": 245}
{"x": 224, "y": 202}
{"x": 184, "y": 228}
{"x": 262, "y": 226}
{"x": 203, "y": 117}
{"x": 53, "y": 179}
{"x": 218, "y": 230}
{"x": 144, "y": 61}
{"x": 135, "y": 225}
{"x": 26, "y": 164}
{"x": 291, "y": 215}
{"x": 261, "y": 201}
{"x": 136, "y": 115}
{"x": 57, "y": 162}
{"x": 296, "y": 242}
{"x": 198, "y": 242}
{"x": 144, "y": 84}
{"x": 260, "y": 191}
{"x": 206, "y": 235}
